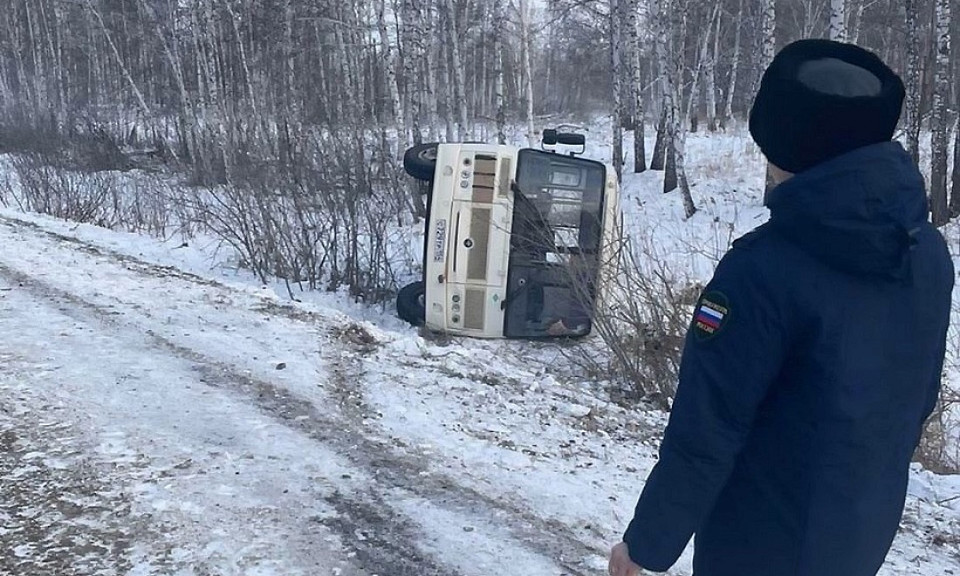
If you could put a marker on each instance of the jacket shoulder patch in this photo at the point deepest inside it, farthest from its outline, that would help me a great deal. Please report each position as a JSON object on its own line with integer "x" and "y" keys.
{"x": 711, "y": 315}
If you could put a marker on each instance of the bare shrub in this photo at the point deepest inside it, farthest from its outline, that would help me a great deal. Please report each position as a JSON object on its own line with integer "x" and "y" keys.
{"x": 84, "y": 146}
{"x": 8, "y": 183}
{"x": 19, "y": 135}
{"x": 316, "y": 207}
{"x": 644, "y": 318}
{"x": 939, "y": 449}
{"x": 149, "y": 204}
{"x": 323, "y": 213}
{"x": 91, "y": 148}
{"x": 130, "y": 202}
{"x": 644, "y": 302}
{"x": 50, "y": 188}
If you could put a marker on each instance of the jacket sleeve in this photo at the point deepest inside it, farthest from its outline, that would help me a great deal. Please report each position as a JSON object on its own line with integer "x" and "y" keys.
{"x": 733, "y": 354}
{"x": 933, "y": 387}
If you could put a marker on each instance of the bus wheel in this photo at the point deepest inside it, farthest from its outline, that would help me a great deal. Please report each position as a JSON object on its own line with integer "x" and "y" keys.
{"x": 410, "y": 303}
{"x": 421, "y": 160}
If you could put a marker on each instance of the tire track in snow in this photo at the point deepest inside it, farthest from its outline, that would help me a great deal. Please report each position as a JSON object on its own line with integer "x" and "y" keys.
{"x": 63, "y": 509}
{"x": 390, "y": 465}
{"x": 387, "y": 545}
{"x": 46, "y": 489}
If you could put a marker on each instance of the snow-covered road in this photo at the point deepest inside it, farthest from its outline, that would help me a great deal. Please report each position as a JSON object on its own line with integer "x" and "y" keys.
{"x": 158, "y": 422}
{"x": 154, "y": 421}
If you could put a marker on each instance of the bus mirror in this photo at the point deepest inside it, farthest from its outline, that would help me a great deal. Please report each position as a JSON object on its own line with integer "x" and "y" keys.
{"x": 571, "y": 139}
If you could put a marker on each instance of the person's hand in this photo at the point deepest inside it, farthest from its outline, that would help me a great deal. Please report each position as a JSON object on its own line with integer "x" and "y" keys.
{"x": 620, "y": 562}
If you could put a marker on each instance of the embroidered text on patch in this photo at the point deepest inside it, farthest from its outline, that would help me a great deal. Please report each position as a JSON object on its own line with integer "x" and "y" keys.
{"x": 711, "y": 314}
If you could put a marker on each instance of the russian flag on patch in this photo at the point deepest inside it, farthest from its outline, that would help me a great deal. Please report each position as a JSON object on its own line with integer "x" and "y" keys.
{"x": 709, "y": 315}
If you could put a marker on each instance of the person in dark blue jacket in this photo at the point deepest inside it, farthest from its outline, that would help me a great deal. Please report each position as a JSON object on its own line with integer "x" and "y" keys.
{"x": 815, "y": 352}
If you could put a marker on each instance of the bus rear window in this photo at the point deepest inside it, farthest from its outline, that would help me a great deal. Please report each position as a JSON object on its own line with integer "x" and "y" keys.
{"x": 554, "y": 246}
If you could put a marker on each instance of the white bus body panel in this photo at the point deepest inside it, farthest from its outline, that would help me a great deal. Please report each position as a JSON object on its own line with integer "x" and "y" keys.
{"x": 471, "y": 215}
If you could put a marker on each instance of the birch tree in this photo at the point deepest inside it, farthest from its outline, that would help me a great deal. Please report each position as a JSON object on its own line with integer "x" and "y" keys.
{"x": 411, "y": 33}
{"x": 390, "y": 79}
{"x": 710, "y": 70}
{"x": 955, "y": 190}
{"x": 855, "y": 21}
{"x": 445, "y": 88}
{"x": 673, "y": 119}
{"x": 912, "y": 80}
{"x": 456, "y": 71}
{"x": 939, "y": 136}
{"x": 734, "y": 66}
{"x": 526, "y": 41}
{"x": 838, "y": 20}
{"x": 768, "y": 46}
{"x": 662, "y": 10}
{"x": 616, "y": 49}
{"x": 116, "y": 54}
{"x": 677, "y": 125}
{"x": 431, "y": 61}
{"x": 499, "y": 97}
{"x": 768, "y": 36}
{"x": 636, "y": 87}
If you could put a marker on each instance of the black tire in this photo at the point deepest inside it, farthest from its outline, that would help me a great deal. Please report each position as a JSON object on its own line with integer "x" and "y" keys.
{"x": 410, "y": 304}
{"x": 420, "y": 161}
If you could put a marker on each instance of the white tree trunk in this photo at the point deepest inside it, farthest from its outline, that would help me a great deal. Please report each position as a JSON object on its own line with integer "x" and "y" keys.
{"x": 616, "y": 19}
{"x": 768, "y": 37}
{"x": 679, "y": 123}
{"x": 701, "y": 63}
{"x": 289, "y": 52}
{"x": 414, "y": 69}
{"x": 390, "y": 78}
{"x": 187, "y": 109}
{"x": 768, "y": 49}
{"x": 955, "y": 191}
{"x": 661, "y": 10}
{"x": 449, "y": 123}
{"x": 499, "y": 100}
{"x": 855, "y": 22}
{"x": 838, "y": 20}
{"x": 431, "y": 56}
{"x": 482, "y": 84}
{"x": 6, "y": 95}
{"x": 54, "y": 44}
{"x": 639, "y": 146}
{"x": 912, "y": 80}
{"x": 456, "y": 73}
{"x": 527, "y": 41}
{"x": 116, "y": 54}
{"x": 710, "y": 77}
{"x": 939, "y": 137}
{"x": 33, "y": 32}
{"x": 734, "y": 66}
{"x": 248, "y": 79}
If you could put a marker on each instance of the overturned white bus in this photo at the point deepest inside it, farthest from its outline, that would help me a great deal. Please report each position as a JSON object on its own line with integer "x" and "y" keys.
{"x": 517, "y": 239}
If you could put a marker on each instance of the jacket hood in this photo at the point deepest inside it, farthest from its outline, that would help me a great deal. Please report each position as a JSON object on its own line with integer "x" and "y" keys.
{"x": 857, "y": 212}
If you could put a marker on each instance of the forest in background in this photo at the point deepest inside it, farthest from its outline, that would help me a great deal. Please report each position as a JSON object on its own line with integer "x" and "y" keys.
{"x": 277, "y": 126}
{"x": 220, "y": 87}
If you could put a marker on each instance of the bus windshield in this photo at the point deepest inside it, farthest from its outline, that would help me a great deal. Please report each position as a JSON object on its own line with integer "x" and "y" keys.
{"x": 555, "y": 245}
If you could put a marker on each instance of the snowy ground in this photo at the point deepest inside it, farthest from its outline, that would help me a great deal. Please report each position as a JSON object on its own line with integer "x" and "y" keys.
{"x": 160, "y": 414}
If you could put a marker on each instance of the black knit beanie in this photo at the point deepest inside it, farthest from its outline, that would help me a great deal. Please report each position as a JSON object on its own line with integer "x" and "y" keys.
{"x": 820, "y": 99}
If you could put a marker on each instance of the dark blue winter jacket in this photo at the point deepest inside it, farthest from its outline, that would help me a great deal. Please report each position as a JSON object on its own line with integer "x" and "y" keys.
{"x": 813, "y": 358}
